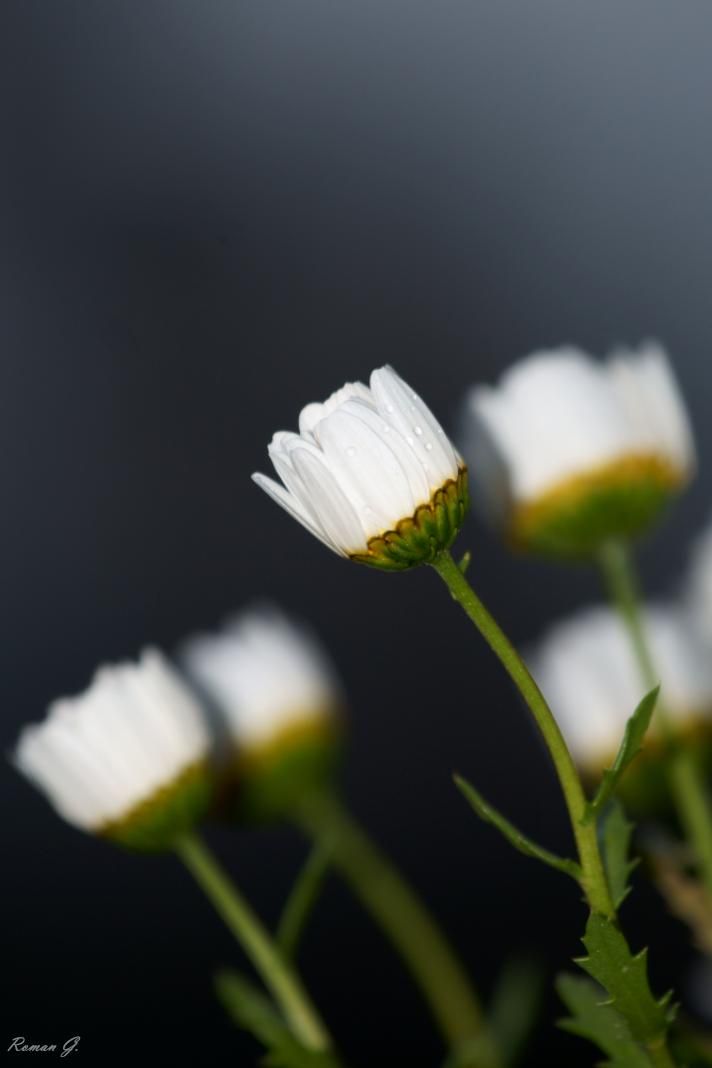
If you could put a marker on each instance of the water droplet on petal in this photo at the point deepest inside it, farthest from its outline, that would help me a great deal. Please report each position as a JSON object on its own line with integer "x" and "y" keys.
{"x": 429, "y": 446}
{"x": 351, "y": 451}
{"x": 410, "y": 441}
{"x": 389, "y": 409}
{"x": 418, "y": 430}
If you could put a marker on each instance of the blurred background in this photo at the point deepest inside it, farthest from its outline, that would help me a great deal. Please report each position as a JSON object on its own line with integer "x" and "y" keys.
{"x": 212, "y": 214}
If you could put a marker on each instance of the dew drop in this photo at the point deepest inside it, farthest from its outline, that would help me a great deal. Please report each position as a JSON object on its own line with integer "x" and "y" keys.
{"x": 389, "y": 409}
{"x": 351, "y": 451}
{"x": 418, "y": 430}
{"x": 429, "y": 446}
{"x": 410, "y": 441}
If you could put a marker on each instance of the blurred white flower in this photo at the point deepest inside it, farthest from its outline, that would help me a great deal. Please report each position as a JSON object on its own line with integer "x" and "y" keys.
{"x": 265, "y": 674}
{"x": 587, "y": 670}
{"x": 372, "y": 474}
{"x": 110, "y": 759}
{"x": 699, "y": 586}
{"x": 569, "y": 451}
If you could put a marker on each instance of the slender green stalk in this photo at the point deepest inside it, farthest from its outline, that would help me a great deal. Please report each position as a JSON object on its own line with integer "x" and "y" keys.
{"x": 407, "y": 923}
{"x": 686, "y": 783}
{"x": 277, "y": 975}
{"x": 301, "y": 901}
{"x": 593, "y": 880}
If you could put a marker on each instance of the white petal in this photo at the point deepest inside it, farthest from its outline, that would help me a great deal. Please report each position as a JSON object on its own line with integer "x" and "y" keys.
{"x": 410, "y": 465}
{"x": 312, "y": 414}
{"x": 647, "y": 388}
{"x": 367, "y": 470}
{"x": 337, "y": 517}
{"x": 554, "y": 415}
{"x": 412, "y": 418}
{"x": 290, "y": 504}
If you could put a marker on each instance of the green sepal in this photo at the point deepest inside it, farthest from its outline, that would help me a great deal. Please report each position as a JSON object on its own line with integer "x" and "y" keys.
{"x": 514, "y": 836}
{"x": 465, "y": 561}
{"x": 155, "y": 824}
{"x": 574, "y": 525}
{"x": 624, "y": 977}
{"x": 268, "y": 786}
{"x": 594, "y": 1019}
{"x": 631, "y": 745}
{"x": 616, "y": 835}
{"x": 253, "y": 1011}
{"x": 422, "y": 537}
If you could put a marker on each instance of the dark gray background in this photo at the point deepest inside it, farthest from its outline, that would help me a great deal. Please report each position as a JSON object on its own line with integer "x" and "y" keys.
{"x": 213, "y": 213}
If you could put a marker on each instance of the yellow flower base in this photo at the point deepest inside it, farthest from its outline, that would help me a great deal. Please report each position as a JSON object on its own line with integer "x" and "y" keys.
{"x": 619, "y": 499}
{"x": 156, "y": 823}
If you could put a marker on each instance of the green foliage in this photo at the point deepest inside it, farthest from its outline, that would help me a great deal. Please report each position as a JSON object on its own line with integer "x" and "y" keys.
{"x": 515, "y": 1005}
{"x": 302, "y": 899}
{"x": 630, "y": 746}
{"x": 253, "y": 1011}
{"x": 625, "y": 979}
{"x": 617, "y": 832}
{"x": 592, "y": 1018}
{"x": 514, "y": 836}
{"x": 465, "y": 561}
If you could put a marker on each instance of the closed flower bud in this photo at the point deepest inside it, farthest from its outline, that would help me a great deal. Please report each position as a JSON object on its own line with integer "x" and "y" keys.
{"x": 127, "y": 759}
{"x": 570, "y": 452}
{"x": 279, "y": 705}
{"x": 587, "y": 670}
{"x": 372, "y": 474}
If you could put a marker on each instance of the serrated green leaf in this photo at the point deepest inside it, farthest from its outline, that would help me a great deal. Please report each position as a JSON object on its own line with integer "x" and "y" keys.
{"x": 616, "y": 834}
{"x": 629, "y": 748}
{"x": 625, "y": 979}
{"x": 597, "y": 1021}
{"x": 253, "y": 1011}
{"x": 514, "y": 836}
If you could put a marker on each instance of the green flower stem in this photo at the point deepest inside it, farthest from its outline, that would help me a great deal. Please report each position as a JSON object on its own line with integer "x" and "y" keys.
{"x": 686, "y": 783}
{"x": 407, "y": 923}
{"x": 593, "y": 880}
{"x": 277, "y": 975}
{"x": 303, "y": 898}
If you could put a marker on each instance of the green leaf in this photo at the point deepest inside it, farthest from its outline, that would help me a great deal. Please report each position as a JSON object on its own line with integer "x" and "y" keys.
{"x": 303, "y": 898}
{"x": 514, "y": 836}
{"x": 253, "y": 1011}
{"x": 625, "y": 978}
{"x": 597, "y": 1021}
{"x": 630, "y": 746}
{"x": 515, "y": 1005}
{"x": 616, "y": 834}
{"x": 464, "y": 562}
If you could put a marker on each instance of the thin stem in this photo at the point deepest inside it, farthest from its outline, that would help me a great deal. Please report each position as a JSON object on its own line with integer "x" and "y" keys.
{"x": 593, "y": 881}
{"x": 686, "y": 783}
{"x": 255, "y": 941}
{"x": 300, "y": 903}
{"x": 407, "y": 923}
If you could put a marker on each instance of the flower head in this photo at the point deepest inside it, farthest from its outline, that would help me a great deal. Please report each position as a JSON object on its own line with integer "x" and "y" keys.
{"x": 571, "y": 452}
{"x": 279, "y": 701}
{"x": 699, "y": 586}
{"x": 372, "y": 474}
{"x": 127, "y": 758}
{"x": 587, "y": 670}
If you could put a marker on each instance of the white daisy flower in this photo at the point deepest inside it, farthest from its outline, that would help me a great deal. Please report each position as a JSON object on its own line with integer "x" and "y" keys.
{"x": 126, "y": 758}
{"x": 569, "y": 451}
{"x": 279, "y": 702}
{"x": 699, "y": 586}
{"x": 587, "y": 670}
{"x": 372, "y": 474}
